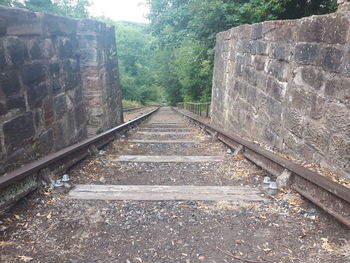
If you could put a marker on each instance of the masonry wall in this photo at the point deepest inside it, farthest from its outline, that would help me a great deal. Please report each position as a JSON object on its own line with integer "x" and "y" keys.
{"x": 57, "y": 78}
{"x": 286, "y": 85}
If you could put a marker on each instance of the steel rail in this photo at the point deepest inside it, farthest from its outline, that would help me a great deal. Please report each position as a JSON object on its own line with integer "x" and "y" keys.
{"x": 133, "y": 108}
{"x": 34, "y": 167}
{"x": 331, "y": 196}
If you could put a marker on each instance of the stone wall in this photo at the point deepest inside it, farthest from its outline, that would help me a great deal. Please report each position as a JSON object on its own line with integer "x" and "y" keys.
{"x": 58, "y": 77}
{"x": 286, "y": 85}
{"x": 99, "y": 75}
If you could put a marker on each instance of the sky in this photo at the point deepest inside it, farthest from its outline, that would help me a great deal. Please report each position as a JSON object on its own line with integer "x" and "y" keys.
{"x": 120, "y": 10}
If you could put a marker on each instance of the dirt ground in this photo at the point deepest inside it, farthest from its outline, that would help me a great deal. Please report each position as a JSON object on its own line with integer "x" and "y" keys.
{"x": 47, "y": 226}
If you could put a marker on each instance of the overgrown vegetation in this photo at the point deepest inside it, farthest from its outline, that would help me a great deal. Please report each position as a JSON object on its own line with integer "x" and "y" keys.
{"x": 70, "y": 8}
{"x": 173, "y": 55}
{"x": 185, "y": 31}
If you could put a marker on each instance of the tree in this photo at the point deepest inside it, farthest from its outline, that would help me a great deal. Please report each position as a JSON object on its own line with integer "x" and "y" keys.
{"x": 70, "y": 8}
{"x": 186, "y": 29}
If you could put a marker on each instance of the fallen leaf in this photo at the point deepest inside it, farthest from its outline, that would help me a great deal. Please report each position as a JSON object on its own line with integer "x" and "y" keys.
{"x": 5, "y": 243}
{"x": 25, "y": 258}
{"x": 48, "y": 216}
{"x": 201, "y": 258}
{"x": 17, "y": 216}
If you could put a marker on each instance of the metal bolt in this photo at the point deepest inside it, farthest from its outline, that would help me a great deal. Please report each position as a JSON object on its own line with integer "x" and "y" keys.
{"x": 273, "y": 186}
{"x": 267, "y": 180}
{"x": 58, "y": 183}
{"x": 65, "y": 178}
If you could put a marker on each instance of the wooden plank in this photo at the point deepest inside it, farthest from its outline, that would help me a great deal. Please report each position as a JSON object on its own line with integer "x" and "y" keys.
{"x": 168, "y": 159}
{"x": 164, "y": 129}
{"x": 164, "y": 192}
{"x": 166, "y": 133}
{"x": 157, "y": 141}
{"x": 167, "y": 123}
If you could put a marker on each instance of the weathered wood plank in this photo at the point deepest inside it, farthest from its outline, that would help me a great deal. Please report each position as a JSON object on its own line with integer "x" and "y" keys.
{"x": 165, "y": 141}
{"x": 168, "y": 159}
{"x": 166, "y": 133}
{"x": 165, "y": 192}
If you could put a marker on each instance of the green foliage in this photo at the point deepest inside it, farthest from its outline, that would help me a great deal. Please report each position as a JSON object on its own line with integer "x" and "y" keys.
{"x": 69, "y": 8}
{"x": 185, "y": 31}
{"x": 131, "y": 104}
{"x": 137, "y": 62}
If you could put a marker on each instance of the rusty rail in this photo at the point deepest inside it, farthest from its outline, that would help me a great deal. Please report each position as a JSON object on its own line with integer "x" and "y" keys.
{"x": 331, "y": 196}
{"x": 100, "y": 140}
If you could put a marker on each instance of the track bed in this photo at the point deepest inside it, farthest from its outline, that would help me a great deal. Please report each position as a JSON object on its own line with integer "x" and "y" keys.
{"x": 48, "y": 226}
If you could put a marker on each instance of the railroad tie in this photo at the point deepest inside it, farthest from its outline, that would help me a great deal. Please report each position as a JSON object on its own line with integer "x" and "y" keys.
{"x": 166, "y": 192}
{"x": 168, "y": 159}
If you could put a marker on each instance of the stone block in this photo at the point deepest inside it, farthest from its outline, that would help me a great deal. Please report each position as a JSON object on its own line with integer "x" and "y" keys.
{"x": 339, "y": 152}
{"x": 2, "y": 56}
{"x": 66, "y": 48}
{"x": 312, "y": 77}
{"x": 306, "y": 53}
{"x": 295, "y": 123}
{"x": 268, "y": 136}
{"x": 317, "y": 136}
{"x": 336, "y": 29}
{"x": 33, "y": 73}
{"x": 280, "y": 31}
{"x": 60, "y": 105}
{"x": 257, "y": 31}
{"x": 20, "y": 22}
{"x": 57, "y": 86}
{"x": 275, "y": 89}
{"x": 16, "y": 51}
{"x": 339, "y": 89}
{"x": 3, "y": 109}
{"x": 80, "y": 115}
{"x": 331, "y": 58}
{"x": 93, "y": 27}
{"x": 18, "y": 130}
{"x": 261, "y": 80}
{"x": 278, "y": 69}
{"x": 260, "y": 48}
{"x": 337, "y": 117}
{"x": 251, "y": 95}
{"x": 249, "y": 75}
{"x": 71, "y": 80}
{"x": 300, "y": 100}
{"x": 59, "y": 26}
{"x": 274, "y": 109}
{"x": 16, "y": 102}
{"x": 54, "y": 69}
{"x": 9, "y": 82}
{"x": 280, "y": 51}
{"x": 36, "y": 94}
{"x": 48, "y": 112}
{"x": 46, "y": 142}
{"x": 312, "y": 29}
{"x": 317, "y": 107}
{"x": 36, "y": 50}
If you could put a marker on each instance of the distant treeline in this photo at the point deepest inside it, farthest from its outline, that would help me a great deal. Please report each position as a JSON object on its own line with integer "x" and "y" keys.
{"x": 173, "y": 55}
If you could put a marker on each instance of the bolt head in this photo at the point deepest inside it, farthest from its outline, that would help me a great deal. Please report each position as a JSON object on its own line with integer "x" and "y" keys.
{"x": 267, "y": 180}
{"x": 273, "y": 186}
{"x": 58, "y": 183}
{"x": 65, "y": 178}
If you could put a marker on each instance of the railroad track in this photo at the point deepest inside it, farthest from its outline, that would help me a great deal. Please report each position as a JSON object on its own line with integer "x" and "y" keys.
{"x": 164, "y": 192}
{"x": 331, "y": 196}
